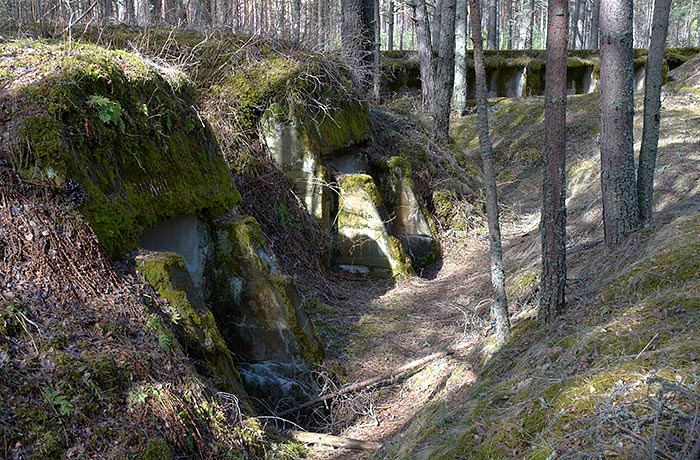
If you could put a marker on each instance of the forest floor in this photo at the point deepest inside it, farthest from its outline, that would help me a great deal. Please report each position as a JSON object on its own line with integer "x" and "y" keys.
{"x": 378, "y": 326}
{"x": 382, "y": 327}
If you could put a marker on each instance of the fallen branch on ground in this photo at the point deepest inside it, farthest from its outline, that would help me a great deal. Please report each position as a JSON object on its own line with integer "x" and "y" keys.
{"x": 334, "y": 441}
{"x": 393, "y": 374}
{"x": 663, "y": 454}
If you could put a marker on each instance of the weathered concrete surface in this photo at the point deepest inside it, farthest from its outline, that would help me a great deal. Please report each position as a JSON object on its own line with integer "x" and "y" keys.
{"x": 257, "y": 311}
{"x": 364, "y": 237}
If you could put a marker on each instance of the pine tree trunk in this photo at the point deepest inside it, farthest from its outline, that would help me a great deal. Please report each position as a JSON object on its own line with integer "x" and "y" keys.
{"x": 652, "y": 109}
{"x": 403, "y": 27}
{"x": 499, "y": 308}
{"x": 296, "y": 20}
{"x": 460, "y": 87}
{"x": 492, "y": 34}
{"x": 444, "y": 76}
{"x": 553, "y": 279}
{"x": 619, "y": 188}
{"x": 390, "y": 25}
{"x": 530, "y": 25}
{"x": 595, "y": 16}
{"x": 357, "y": 34}
{"x": 437, "y": 22}
{"x": 509, "y": 24}
{"x": 376, "y": 55}
{"x": 425, "y": 51}
{"x": 575, "y": 32}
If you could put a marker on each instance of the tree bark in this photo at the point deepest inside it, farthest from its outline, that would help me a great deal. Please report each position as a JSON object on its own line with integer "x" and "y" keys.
{"x": 652, "y": 108}
{"x": 444, "y": 76}
{"x": 575, "y": 33}
{"x": 508, "y": 20}
{"x": 358, "y": 38}
{"x": 530, "y": 25}
{"x": 390, "y": 25}
{"x": 296, "y": 20}
{"x": 376, "y": 52}
{"x": 460, "y": 87}
{"x": 437, "y": 22}
{"x": 595, "y": 15}
{"x": 425, "y": 51}
{"x": 619, "y": 189}
{"x": 499, "y": 308}
{"x": 492, "y": 34}
{"x": 553, "y": 278}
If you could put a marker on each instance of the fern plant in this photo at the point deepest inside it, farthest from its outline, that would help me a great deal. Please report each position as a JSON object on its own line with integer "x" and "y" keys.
{"x": 58, "y": 399}
{"x": 154, "y": 324}
{"x": 109, "y": 111}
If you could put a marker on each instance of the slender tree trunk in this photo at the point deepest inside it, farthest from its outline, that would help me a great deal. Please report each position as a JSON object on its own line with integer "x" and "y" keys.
{"x": 648, "y": 22}
{"x": 543, "y": 28}
{"x": 530, "y": 25}
{"x": 460, "y": 88}
{"x": 437, "y": 22}
{"x": 403, "y": 27}
{"x": 595, "y": 15}
{"x": 508, "y": 20}
{"x": 444, "y": 76}
{"x": 425, "y": 51}
{"x": 358, "y": 38}
{"x": 652, "y": 109}
{"x": 390, "y": 25}
{"x": 553, "y": 279}
{"x": 620, "y": 209}
{"x": 322, "y": 24}
{"x": 492, "y": 34}
{"x": 575, "y": 33}
{"x": 376, "y": 55}
{"x": 499, "y": 308}
{"x": 296, "y": 20}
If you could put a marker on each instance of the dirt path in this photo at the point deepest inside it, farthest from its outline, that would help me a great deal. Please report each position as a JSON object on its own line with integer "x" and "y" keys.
{"x": 381, "y": 327}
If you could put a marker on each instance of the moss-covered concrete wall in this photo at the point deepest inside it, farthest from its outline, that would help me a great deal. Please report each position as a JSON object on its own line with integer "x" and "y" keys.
{"x": 123, "y": 136}
{"x": 516, "y": 73}
{"x": 318, "y": 97}
{"x": 258, "y": 308}
{"x": 364, "y": 239}
{"x": 192, "y": 321}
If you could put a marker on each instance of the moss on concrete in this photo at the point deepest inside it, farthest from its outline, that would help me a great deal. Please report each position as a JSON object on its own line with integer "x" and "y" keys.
{"x": 327, "y": 113}
{"x": 245, "y": 282}
{"x": 192, "y": 321}
{"x": 128, "y": 132}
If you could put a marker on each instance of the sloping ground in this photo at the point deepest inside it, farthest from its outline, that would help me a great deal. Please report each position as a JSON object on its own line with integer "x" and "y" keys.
{"x": 90, "y": 362}
{"x": 615, "y": 377}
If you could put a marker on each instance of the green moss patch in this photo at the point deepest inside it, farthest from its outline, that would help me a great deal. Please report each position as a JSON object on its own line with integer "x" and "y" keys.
{"x": 319, "y": 96}
{"x": 125, "y": 130}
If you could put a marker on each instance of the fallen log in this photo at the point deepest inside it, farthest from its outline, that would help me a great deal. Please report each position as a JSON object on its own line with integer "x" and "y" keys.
{"x": 334, "y": 441}
{"x": 395, "y": 373}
